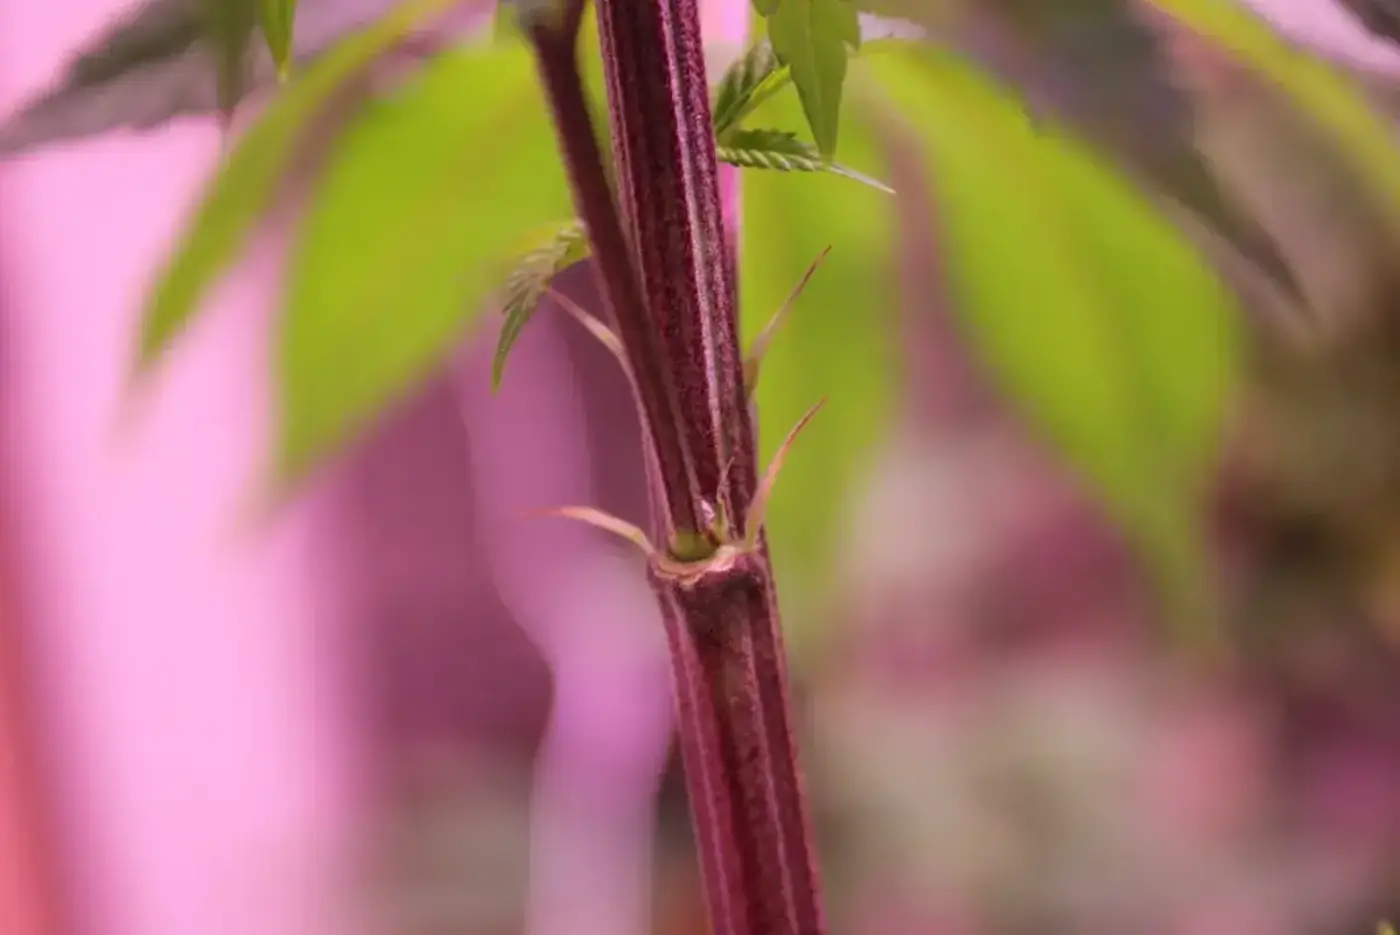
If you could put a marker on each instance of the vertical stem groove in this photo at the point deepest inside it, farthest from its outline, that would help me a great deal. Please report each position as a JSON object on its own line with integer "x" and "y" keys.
{"x": 557, "y": 62}
{"x": 728, "y": 659}
{"x": 668, "y": 183}
{"x": 671, "y": 282}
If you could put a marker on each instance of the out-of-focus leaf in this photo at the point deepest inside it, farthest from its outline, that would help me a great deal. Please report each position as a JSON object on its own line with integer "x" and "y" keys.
{"x": 278, "y": 18}
{"x": 410, "y": 234}
{"x": 553, "y": 250}
{"x": 1297, "y": 180}
{"x": 243, "y": 190}
{"x": 1095, "y": 66}
{"x": 1327, "y": 97}
{"x": 811, "y": 37}
{"x": 838, "y": 341}
{"x": 1381, "y": 17}
{"x": 1099, "y": 320}
{"x": 229, "y": 25}
{"x": 154, "y": 65}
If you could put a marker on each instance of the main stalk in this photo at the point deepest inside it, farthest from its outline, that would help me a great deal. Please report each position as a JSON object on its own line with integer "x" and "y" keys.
{"x": 670, "y": 283}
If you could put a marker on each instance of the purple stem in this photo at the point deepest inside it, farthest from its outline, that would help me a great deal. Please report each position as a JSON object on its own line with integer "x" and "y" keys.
{"x": 679, "y": 330}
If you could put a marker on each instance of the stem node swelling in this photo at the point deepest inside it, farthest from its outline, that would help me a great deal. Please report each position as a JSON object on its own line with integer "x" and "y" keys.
{"x": 667, "y": 275}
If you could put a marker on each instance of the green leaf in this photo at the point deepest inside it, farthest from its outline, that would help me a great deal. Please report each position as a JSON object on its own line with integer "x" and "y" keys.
{"x": 277, "y": 19}
{"x": 1323, "y": 93}
{"x": 782, "y": 151}
{"x": 838, "y": 342}
{"x": 229, "y": 27}
{"x": 1102, "y": 324}
{"x": 410, "y": 234}
{"x": 765, "y": 7}
{"x": 770, "y": 149}
{"x": 810, "y": 37}
{"x": 1095, "y": 66}
{"x": 556, "y": 248}
{"x": 747, "y": 83}
{"x": 1295, "y": 177}
{"x": 245, "y": 187}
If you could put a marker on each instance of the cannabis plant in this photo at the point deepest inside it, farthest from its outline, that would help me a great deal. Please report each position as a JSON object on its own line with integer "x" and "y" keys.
{"x": 1113, "y": 223}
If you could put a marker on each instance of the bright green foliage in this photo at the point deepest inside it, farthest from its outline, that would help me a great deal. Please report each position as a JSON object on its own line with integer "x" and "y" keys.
{"x": 747, "y": 83}
{"x": 241, "y": 193}
{"x": 811, "y": 37}
{"x": 552, "y": 250}
{"x": 770, "y": 149}
{"x": 838, "y": 342}
{"x": 426, "y": 197}
{"x": 277, "y": 17}
{"x": 1102, "y": 324}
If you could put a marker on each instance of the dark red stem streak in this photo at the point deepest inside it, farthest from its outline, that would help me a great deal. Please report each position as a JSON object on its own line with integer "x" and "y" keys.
{"x": 556, "y": 58}
{"x": 668, "y": 184}
{"x": 669, "y": 279}
{"x": 747, "y": 798}
{"x": 729, "y": 663}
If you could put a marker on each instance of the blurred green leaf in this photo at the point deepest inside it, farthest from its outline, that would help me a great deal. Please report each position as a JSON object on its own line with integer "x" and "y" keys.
{"x": 1322, "y": 92}
{"x": 1098, "y": 319}
{"x": 810, "y": 37}
{"x": 1295, "y": 177}
{"x": 244, "y": 189}
{"x": 229, "y": 26}
{"x": 411, "y": 232}
{"x": 278, "y": 17}
{"x": 838, "y": 341}
{"x": 553, "y": 249}
{"x": 1099, "y": 69}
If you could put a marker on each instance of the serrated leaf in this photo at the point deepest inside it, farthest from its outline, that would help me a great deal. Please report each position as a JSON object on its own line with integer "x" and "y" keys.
{"x": 278, "y": 18}
{"x": 781, "y": 150}
{"x": 770, "y": 149}
{"x": 558, "y": 247}
{"x": 838, "y": 342}
{"x": 742, "y": 88}
{"x": 811, "y": 37}
{"x": 1099, "y": 320}
{"x": 153, "y": 65}
{"x": 411, "y": 229}
{"x": 242, "y": 191}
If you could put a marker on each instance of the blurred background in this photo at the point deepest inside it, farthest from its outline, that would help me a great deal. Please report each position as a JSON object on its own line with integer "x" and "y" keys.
{"x": 400, "y": 709}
